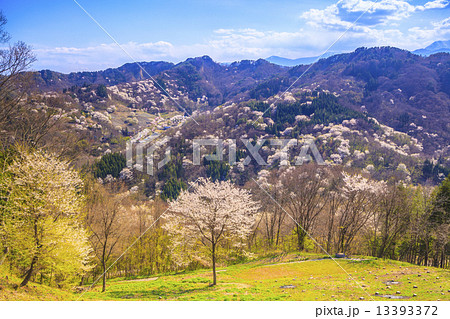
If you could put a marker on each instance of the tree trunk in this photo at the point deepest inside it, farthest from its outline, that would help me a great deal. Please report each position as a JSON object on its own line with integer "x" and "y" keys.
{"x": 104, "y": 276}
{"x": 214, "y": 264}
{"x": 29, "y": 272}
{"x": 330, "y": 233}
{"x": 341, "y": 243}
{"x": 426, "y": 252}
{"x": 301, "y": 234}
{"x": 35, "y": 257}
{"x": 5, "y": 253}
{"x": 280, "y": 221}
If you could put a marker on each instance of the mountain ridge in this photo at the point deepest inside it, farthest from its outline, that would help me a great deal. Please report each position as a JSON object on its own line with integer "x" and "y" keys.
{"x": 433, "y": 48}
{"x": 405, "y": 91}
{"x": 47, "y": 79}
{"x": 294, "y": 62}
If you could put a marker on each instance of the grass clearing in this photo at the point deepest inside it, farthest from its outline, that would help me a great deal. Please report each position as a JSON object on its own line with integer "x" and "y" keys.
{"x": 302, "y": 280}
{"x": 303, "y": 277}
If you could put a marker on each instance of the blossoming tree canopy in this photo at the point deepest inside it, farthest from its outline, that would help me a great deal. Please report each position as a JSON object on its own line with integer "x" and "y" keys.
{"x": 43, "y": 216}
{"x": 211, "y": 211}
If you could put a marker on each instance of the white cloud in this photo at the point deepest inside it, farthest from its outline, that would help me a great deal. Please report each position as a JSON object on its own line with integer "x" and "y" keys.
{"x": 251, "y": 43}
{"x": 225, "y": 45}
{"x": 379, "y": 26}
{"x": 436, "y": 4}
{"x": 344, "y": 13}
{"x": 380, "y": 23}
{"x": 98, "y": 57}
{"x": 327, "y": 18}
{"x": 442, "y": 25}
{"x": 385, "y": 9}
{"x": 439, "y": 30}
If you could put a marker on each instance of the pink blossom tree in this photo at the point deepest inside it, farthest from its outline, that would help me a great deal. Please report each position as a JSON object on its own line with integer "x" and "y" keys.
{"x": 210, "y": 212}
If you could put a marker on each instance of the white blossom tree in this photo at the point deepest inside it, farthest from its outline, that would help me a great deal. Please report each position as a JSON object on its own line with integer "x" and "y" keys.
{"x": 42, "y": 216}
{"x": 360, "y": 196}
{"x": 211, "y": 211}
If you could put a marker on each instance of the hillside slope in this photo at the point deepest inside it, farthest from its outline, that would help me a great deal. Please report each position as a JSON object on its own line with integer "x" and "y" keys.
{"x": 405, "y": 91}
{"x": 10, "y": 290}
{"x": 299, "y": 277}
{"x": 288, "y": 277}
{"x": 400, "y": 101}
{"x": 47, "y": 80}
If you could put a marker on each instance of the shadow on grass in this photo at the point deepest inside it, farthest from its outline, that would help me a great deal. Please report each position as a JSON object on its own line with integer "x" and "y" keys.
{"x": 157, "y": 293}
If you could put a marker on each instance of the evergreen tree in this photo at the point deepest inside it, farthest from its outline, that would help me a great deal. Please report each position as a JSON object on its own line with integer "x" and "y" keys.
{"x": 441, "y": 211}
{"x": 172, "y": 188}
{"x": 110, "y": 164}
{"x": 101, "y": 91}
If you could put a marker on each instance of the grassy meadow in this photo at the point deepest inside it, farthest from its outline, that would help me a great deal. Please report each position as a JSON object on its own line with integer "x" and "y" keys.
{"x": 302, "y": 280}
{"x": 291, "y": 277}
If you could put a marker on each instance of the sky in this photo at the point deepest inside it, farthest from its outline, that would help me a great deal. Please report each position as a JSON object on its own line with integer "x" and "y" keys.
{"x": 65, "y": 37}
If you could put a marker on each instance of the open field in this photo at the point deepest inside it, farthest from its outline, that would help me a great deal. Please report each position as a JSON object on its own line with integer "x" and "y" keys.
{"x": 310, "y": 279}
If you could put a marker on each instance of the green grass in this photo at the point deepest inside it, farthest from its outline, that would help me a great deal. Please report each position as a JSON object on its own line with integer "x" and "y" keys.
{"x": 9, "y": 290}
{"x": 313, "y": 280}
{"x": 261, "y": 280}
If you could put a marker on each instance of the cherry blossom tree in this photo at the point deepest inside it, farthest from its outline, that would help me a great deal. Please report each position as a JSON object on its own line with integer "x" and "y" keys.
{"x": 360, "y": 196}
{"x": 210, "y": 212}
{"x": 42, "y": 219}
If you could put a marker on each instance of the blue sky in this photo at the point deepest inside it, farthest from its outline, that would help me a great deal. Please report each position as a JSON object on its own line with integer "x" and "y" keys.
{"x": 65, "y": 39}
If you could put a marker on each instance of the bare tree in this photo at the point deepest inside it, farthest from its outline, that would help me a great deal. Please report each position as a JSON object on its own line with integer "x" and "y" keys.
{"x": 305, "y": 195}
{"x": 25, "y": 118}
{"x": 272, "y": 216}
{"x": 394, "y": 213}
{"x": 107, "y": 222}
{"x": 13, "y": 61}
{"x": 335, "y": 201}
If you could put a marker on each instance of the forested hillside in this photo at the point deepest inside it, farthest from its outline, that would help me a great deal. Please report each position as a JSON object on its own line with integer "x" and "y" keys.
{"x": 402, "y": 90}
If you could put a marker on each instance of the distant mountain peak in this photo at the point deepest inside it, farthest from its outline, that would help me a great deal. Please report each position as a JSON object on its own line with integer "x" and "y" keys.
{"x": 435, "y": 47}
{"x": 294, "y": 62}
{"x": 204, "y": 58}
